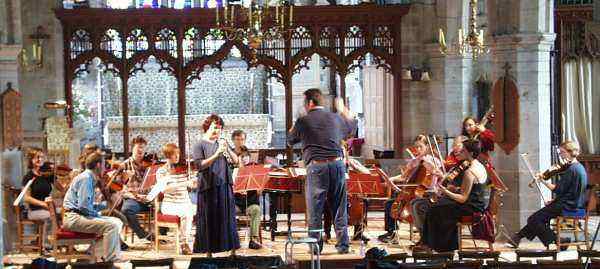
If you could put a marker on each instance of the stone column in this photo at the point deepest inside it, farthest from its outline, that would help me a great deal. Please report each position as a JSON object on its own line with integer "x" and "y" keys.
{"x": 524, "y": 42}
{"x": 529, "y": 57}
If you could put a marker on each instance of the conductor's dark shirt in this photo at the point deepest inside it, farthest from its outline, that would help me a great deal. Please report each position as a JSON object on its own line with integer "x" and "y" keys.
{"x": 321, "y": 132}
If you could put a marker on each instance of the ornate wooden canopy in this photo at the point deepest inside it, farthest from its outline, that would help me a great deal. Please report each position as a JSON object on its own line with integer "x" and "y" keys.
{"x": 179, "y": 39}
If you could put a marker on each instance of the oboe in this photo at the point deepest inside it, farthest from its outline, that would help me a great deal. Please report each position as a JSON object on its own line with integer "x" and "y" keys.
{"x": 223, "y": 143}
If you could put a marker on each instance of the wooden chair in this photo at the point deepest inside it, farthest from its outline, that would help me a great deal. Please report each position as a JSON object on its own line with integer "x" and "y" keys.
{"x": 243, "y": 220}
{"x": 166, "y": 221}
{"x": 145, "y": 218}
{"x": 479, "y": 255}
{"x": 572, "y": 219}
{"x": 510, "y": 265}
{"x": 570, "y": 264}
{"x": 475, "y": 264}
{"x": 64, "y": 239}
{"x": 569, "y": 222}
{"x": 167, "y": 262}
{"x": 467, "y": 221}
{"x": 23, "y": 240}
{"x": 429, "y": 256}
{"x": 536, "y": 254}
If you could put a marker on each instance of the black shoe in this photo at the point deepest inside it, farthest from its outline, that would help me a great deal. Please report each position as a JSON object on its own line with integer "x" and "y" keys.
{"x": 390, "y": 239}
{"x": 254, "y": 245}
{"x": 124, "y": 246}
{"x": 343, "y": 250}
{"x": 514, "y": 241}
{"x": 564, "y": 240}
{"x": 385, "y": 235}
{"x": 360, "y": 237}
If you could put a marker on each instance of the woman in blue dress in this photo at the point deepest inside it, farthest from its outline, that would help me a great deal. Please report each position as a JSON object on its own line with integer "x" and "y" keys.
{"x": 216, "y": 229}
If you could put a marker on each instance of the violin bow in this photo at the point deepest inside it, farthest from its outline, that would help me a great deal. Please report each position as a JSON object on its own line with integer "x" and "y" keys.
{"x": 23, "y": 191}
{"x": 387, "y": 178}
{"x": 535, "y": 180}
{"x": 412, "y": 156}
{"x": 437, "y": 146}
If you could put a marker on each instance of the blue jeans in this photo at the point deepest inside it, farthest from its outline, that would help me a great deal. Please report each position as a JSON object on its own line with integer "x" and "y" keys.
{"x": 130, "y": 209}
{"x": 390, "y": 223}
{"x": 327, "y": 181}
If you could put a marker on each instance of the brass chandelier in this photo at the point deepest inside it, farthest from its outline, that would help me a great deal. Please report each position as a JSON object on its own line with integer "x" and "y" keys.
{"x": 254, "y": 21}
{"x": 471, "y": 43}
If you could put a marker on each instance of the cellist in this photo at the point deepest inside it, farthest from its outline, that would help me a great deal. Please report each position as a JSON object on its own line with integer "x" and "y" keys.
{"x": 423, "y": 159}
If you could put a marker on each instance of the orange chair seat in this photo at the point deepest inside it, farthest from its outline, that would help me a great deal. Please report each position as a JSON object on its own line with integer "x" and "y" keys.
{"x": 66, "y": 234}
{"x": 466, "y": 219}
{"x": 167, "y": 218}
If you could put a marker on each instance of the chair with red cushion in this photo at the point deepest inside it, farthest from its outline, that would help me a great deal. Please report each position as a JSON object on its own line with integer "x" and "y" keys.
{"x": 467, "y": 221}
{"x": 64, "y": 239}
{"x": 167, "y": 221}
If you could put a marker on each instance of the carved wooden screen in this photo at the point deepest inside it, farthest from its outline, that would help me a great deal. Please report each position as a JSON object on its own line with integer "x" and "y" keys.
{"x": 12, "y": 131}
{"x": 505, "y": 98}
{"x": 183, "y": 41}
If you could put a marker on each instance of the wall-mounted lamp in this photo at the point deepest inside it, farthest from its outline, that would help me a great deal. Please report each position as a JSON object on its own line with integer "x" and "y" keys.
{"x": 416, "y": 74}
{"x": 34, "y": 59}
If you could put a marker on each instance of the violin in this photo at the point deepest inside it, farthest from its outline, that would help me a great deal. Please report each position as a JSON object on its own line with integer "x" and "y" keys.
{"x": 451, "y": 176}
{"x": 555, "y": 170}
{"x": 488, "y": 117}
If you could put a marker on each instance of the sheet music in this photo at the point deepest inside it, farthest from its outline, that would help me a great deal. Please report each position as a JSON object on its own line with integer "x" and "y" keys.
{"x": 359, "y": 166}
{"x": 299, "y": 171}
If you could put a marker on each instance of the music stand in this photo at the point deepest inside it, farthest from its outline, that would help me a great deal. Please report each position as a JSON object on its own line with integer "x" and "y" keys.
{"x": 364, "y": 186}
{"x": 251, "y": 178}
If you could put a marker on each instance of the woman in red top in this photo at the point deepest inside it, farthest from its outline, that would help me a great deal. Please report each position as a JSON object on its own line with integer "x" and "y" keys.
{"x": 473, "y": 130}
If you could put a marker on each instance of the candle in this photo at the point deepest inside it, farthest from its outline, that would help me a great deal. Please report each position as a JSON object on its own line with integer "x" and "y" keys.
{"x": 34, "y": 49}
{"x": 232, "y": 13}
{"x": 277, "y": 13}
{"x": 460, "y": 36}
{"x": 291, "y": 14}
{"x": 250, "y": 14}
{"x": 225, "y": 19}
{"x": 39, "y": 53}
{"x": 217, "y": 14}
{"x": 442, "y": 40}
{"x": 480, "y": 38}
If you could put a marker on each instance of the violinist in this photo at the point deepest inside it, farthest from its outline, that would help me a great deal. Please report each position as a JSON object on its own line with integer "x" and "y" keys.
{"x": 133, "y": 202}
{"x": 176, "y": 199}
{"x": 473, "y": 130}
{"x": 452, "y": 158}
{"x": 82, "y": 216}
{"x": 248, "y": 202}
{"x": 439, "y": 227}
{"x": 569, "y": 195}
{"x": 423, "y": 158}
{"x": 40, "y": 172}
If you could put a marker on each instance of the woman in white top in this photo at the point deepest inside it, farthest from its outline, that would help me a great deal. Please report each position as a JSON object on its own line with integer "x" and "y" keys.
{"x": 439, "y": 228}
{"x": 176, "y": 199}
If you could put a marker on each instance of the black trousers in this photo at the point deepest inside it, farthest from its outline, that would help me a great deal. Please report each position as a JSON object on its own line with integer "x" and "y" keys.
{"x": 538, "y": 224}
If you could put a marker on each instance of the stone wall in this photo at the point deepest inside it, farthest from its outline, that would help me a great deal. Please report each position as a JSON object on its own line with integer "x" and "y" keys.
{"x": 47, "y": 83}
{"x": 159, "y": 130}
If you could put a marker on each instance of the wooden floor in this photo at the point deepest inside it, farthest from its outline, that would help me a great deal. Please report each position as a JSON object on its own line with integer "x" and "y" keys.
{"x": 142, "y": 249}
